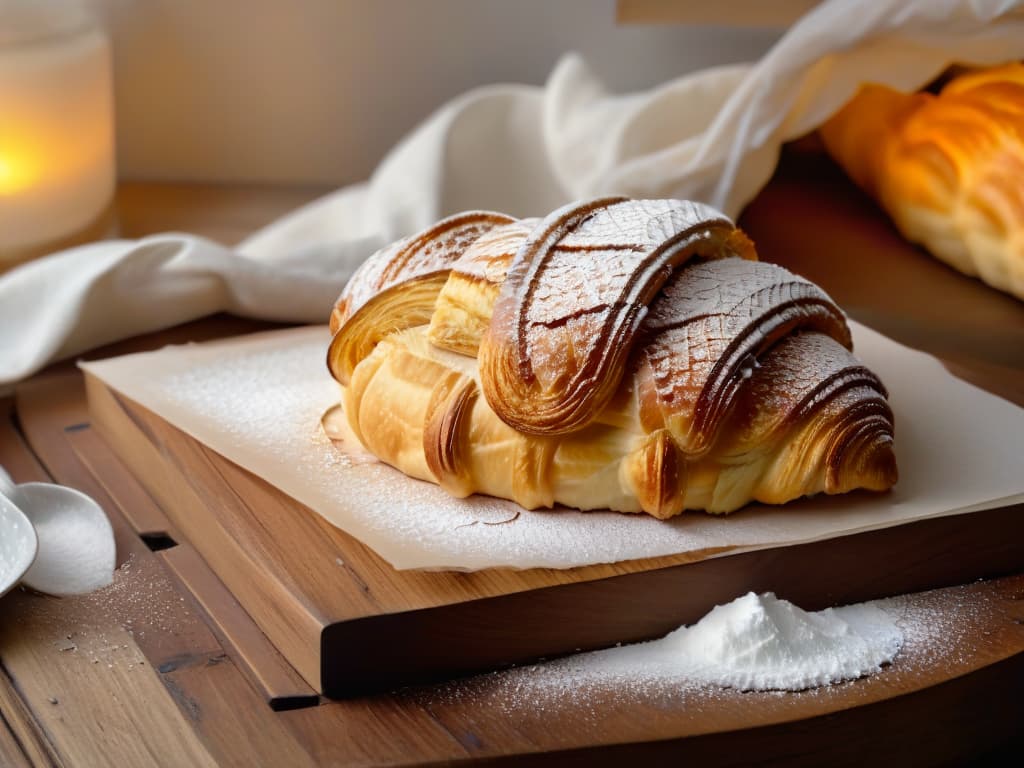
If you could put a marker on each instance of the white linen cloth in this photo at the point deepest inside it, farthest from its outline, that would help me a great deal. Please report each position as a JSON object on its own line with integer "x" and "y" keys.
{"x": 713, "y": 135}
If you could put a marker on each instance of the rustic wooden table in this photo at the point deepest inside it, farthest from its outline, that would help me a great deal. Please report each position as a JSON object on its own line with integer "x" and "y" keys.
{"x": 147, "y": 672}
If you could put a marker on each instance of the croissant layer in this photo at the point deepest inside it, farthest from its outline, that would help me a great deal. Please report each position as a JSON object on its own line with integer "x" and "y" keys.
{"x": 625, "y": 355}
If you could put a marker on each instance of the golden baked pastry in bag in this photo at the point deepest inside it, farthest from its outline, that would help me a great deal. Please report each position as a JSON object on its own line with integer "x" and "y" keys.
{"x": 619, "y": 354}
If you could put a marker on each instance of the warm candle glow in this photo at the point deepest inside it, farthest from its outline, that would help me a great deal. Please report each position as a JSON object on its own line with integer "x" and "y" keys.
{"x": 8, "y": 177}
{"x": 15, "y": 173}
{"x": 56, "y": 137}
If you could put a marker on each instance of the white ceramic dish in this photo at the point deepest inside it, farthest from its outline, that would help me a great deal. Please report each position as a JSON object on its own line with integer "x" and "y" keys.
{"x": 18, "y": 545}
{"x": 77, "y": 553}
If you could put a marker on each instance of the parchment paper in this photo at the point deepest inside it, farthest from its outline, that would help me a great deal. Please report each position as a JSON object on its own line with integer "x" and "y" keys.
{"x": 258, "y": 400}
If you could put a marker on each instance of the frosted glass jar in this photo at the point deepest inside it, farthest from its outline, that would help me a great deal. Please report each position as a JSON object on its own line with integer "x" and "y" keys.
{"x": 56, "y": 124}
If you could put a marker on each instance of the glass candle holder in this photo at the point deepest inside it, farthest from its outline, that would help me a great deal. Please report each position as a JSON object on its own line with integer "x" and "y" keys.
{"x": 56, "y": 125}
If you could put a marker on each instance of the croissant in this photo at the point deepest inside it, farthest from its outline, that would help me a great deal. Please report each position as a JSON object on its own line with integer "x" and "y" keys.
{"x": 618, "y": 354}
{"x": 947, "y": 169}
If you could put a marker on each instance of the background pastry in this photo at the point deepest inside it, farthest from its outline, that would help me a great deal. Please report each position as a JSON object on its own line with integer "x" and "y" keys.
{"x": 620, "y": 354}
{"x": 947, "y": 169}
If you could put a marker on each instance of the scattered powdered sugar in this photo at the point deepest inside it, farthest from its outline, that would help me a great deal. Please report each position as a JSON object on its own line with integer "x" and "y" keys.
{"x": 941, "y": 627}
{"x": 97, "y": 628}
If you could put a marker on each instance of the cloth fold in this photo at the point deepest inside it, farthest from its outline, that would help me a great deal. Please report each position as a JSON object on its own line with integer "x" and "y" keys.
{"x": 95, "y": 294}
{"x": 712, "y": 135}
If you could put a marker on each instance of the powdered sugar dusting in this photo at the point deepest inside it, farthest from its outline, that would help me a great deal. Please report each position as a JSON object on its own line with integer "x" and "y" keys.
{"x": 95, "y": 629}
{"x": 573, "y": 295}
{"x": 710, "y": 322}
{"x": 490, "y": 255}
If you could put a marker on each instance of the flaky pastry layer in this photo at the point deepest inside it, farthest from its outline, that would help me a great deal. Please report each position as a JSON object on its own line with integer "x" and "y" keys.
{"x": 667, "y": 369}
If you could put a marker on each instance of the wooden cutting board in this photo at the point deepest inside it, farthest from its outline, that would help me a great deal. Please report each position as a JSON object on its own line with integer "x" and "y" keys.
{"x": 351, "y": 624}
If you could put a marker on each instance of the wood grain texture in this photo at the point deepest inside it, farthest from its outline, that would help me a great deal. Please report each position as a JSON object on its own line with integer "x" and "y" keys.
{"x": 64, "y": 655}
{"x": 72, "y": 708}
{"x": 11, "y": 753}
{"x": 22, "y": 741}
{"x": 142, "y": 514}
{"x": 270, "y": 673}
{"x": 141, "y": 643}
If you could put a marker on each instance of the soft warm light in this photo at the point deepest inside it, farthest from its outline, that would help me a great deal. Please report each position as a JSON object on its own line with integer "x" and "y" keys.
{"x": 15, "y": 174}
{"x": 8, "y": 177}
{"x": 56, "y": 129}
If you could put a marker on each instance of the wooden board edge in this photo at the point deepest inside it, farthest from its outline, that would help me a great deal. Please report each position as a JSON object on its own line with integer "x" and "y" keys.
{"x": 295, "y": 634}
{"x": 487, "y": 634}
{"x": 282, "y": 687}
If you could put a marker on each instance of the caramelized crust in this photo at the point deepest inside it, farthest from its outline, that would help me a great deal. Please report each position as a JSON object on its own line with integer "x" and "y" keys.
{"x": 734, "y": 382}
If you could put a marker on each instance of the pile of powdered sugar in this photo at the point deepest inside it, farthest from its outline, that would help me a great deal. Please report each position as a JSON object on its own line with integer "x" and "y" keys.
{"x": 754, "y": 643}
{"x": 760, "y": 642}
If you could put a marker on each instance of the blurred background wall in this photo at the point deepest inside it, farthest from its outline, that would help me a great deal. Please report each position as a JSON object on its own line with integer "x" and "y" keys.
{"x": 316, "y": 91}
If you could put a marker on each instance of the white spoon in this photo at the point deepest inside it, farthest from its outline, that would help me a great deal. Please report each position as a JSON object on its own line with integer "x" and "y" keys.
{"x": 76, "y": 543}
{"x": 18, "y": 545}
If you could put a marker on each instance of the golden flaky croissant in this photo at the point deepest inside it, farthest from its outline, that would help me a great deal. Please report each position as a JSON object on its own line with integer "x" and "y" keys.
{"x": 620, "y": 354}
{"x": 948, "y": 169}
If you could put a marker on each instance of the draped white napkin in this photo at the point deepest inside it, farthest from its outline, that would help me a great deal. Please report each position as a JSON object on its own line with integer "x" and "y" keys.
{"x": 713, "y": 135}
